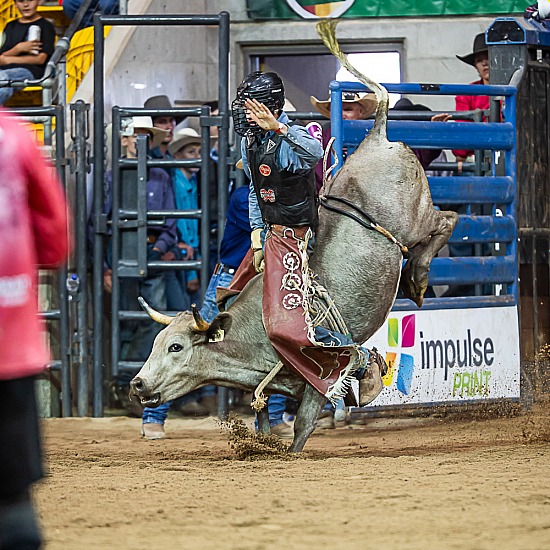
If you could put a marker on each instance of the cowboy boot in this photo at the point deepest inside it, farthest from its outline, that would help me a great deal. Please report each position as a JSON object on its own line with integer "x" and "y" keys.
{"x": 371, "y": 384}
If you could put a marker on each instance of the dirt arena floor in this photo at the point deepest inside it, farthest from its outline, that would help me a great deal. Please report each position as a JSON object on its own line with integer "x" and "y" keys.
{"x": 441, "y": 482}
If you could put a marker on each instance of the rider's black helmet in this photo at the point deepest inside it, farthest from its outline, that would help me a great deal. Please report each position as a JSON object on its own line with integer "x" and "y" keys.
{"x": 267, "y": 88}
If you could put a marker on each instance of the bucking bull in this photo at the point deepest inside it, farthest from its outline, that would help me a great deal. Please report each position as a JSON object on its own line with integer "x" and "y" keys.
{"x": 360, "y": 268}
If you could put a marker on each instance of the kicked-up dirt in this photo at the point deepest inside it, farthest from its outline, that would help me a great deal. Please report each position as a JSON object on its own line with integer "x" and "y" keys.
{"x": 442, "y": 482}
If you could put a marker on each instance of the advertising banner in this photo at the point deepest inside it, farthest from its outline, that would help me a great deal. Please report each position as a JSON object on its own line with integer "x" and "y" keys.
{"x": 449, "y": 355}
{"x": 316, "y": 9}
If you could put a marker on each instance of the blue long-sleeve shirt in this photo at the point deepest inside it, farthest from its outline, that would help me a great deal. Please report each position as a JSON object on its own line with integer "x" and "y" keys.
{"x": 236, "y": 237}
{"x": 186, "y": 194}
{"x": 298, "y": 151}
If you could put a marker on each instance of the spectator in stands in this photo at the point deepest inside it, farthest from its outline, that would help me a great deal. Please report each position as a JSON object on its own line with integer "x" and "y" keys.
{"x": 23, "y": 56}
{"x": 107, "y": 7}
{"x": 182, "y": 287}
{"x": 33, "y": 232}
{"x": 425, "y": 156}
{"x": 164, "y": 122}
{"x": 478, "y": 58}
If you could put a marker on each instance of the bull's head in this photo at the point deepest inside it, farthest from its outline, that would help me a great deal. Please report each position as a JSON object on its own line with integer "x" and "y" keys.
{"x": 170, "y": 370}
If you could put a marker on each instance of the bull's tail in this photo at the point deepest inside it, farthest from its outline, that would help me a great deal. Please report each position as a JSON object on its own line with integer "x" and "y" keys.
{"x": 327, "y": 31}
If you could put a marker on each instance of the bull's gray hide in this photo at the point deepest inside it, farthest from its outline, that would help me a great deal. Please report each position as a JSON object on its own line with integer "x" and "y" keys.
{"x": 360, "y": 268}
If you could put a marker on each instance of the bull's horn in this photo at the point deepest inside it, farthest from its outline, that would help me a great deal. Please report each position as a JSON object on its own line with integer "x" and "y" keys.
{"x": 200, "y": 324}
{"x": 155, "y": 315}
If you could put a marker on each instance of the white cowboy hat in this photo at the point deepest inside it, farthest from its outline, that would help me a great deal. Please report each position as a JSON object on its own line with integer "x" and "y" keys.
{"x": 129, "y": 125}
{"x": 368, "y": 101}
{"x": 183, "y": 137}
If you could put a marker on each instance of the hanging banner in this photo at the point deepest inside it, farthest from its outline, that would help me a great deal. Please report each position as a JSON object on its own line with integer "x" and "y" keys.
{"x": 309, "y": 9}
{"x": 449, "y": 355}
{"x": 320, "y": 9}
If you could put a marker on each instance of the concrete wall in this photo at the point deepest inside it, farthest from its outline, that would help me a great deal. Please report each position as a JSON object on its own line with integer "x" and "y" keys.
{"x": 181, "y": 62}
{"x": 428, "y": 45}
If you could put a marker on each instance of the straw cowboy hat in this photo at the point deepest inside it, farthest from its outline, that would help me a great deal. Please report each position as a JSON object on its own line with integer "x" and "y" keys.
{"x": 479, "y": 47}
{"x": 183, "y": 137}
{"x": 129, "y": 126}
{"x": 368, "y": 101}
{"x": 162, "y": 102}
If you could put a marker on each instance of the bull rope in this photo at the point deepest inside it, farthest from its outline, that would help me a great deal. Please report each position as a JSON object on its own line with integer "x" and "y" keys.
{"x": 324, "y": 198}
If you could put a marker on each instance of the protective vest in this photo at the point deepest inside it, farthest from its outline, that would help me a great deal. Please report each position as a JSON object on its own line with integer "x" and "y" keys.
{"x": 284, "y": 197}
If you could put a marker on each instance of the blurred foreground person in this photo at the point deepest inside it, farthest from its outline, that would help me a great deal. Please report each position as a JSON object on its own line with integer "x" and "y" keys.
{"x": 33, "y": 232}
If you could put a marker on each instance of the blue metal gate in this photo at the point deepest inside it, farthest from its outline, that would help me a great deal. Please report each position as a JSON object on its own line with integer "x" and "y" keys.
{"x": 495, "y": 226}
{"x": 466, "y": 347}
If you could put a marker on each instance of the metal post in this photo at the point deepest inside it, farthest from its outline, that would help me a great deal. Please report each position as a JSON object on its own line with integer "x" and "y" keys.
{"x": 98, "y": 202}
{"x": 223, "y": 152}
{"x": 223, "y": 131}
{"x": 81, "y": 255}
{"x": 115, "y": 244}
{"x": 336, "y": 121}
{"x": 66, "y": 409}
{"x": 141, "y": 191}
{"x": 205, "y": 211}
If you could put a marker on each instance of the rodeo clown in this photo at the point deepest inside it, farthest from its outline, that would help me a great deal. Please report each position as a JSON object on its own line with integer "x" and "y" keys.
{"x": 279, "y": 158}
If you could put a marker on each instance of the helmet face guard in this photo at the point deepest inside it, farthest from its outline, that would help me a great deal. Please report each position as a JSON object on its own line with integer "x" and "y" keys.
{"x": 267, "y": 88}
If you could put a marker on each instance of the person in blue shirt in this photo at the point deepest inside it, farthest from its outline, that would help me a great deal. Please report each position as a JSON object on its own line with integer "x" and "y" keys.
{"x": 234, "y": 246}
{"x": 182, "y": 287}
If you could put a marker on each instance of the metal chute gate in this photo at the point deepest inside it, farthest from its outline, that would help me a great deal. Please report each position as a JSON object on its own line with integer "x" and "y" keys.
{"x": 84, "y": 360}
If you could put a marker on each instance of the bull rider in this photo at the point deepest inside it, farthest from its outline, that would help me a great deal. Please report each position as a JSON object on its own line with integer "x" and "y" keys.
{"x": 279, "y": 158}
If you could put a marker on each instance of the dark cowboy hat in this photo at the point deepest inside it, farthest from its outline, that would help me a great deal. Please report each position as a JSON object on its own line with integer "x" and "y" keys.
{"x": 405, "y": 104}
{"x": 162, "y": 102}
{"x": 479, "y": 47}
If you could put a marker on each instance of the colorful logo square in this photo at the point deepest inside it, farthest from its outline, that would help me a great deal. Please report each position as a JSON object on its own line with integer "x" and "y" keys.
{"x": 391, "y": 358}
{"x": 393, "y": 332}
{"x": 405, "y": 373}
{"x": 408, "y": 331}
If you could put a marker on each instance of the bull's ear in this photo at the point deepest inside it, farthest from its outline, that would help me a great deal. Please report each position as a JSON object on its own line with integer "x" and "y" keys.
{"x": 218, "y": 327}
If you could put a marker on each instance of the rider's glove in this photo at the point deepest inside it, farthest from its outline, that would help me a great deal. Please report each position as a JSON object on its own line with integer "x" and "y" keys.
{"x": 258, "y": 260}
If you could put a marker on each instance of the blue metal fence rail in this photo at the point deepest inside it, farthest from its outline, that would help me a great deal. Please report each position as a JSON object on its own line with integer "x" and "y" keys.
{"x": 497, "y": 193}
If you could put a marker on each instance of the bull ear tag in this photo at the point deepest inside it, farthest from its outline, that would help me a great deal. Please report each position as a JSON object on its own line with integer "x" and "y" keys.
{"x": 217, "y": 336}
